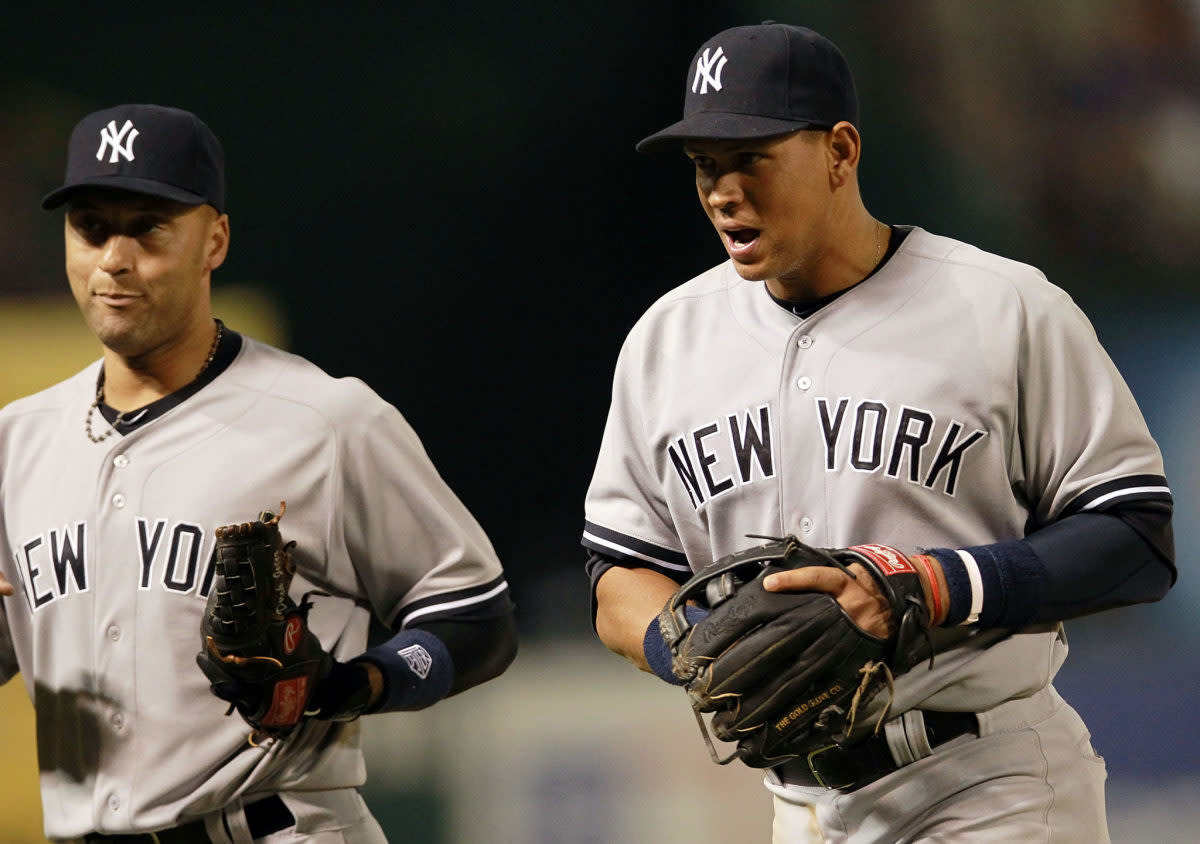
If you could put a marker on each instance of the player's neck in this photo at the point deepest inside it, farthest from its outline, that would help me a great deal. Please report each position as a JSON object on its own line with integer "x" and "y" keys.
{"x": 133, "y": 382}
{"x": 840, "y": 263}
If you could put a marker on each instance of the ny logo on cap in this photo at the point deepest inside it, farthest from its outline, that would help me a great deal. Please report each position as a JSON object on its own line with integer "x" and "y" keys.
{"x": 121, "y": 142}
{"x": 705, "y": 75}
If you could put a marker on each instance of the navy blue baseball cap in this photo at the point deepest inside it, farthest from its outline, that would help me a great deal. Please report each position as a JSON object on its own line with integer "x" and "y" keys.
{"x": 147, "y": 149}
{"x": 762, "y": 80}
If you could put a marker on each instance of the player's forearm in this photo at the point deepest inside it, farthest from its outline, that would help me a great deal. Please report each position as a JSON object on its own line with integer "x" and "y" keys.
{"x": 481, "y": 649}
{"x": 1083, "y": 564}
{"x": 425, "y": 663}
{"x": 627, "y": 600}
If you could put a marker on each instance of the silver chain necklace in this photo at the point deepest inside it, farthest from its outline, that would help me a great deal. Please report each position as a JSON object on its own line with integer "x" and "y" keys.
{"x": 122, "y": 417}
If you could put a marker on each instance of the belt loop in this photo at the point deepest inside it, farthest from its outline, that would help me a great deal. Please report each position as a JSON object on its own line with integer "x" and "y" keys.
{"x": 918, "y": 733}
{"x": 907, "y": 739}
{"x": 235, "y": 824}
{"x": 214, "y": 825}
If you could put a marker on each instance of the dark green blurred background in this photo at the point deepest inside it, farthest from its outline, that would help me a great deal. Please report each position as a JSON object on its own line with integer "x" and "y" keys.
{"x": 444, "y": 200}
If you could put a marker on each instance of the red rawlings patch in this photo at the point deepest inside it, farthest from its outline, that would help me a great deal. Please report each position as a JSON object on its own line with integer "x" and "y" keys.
{"x": 287, "y": 703}
{"x": 889, "y": 560}
{"x": 293, "y": 631}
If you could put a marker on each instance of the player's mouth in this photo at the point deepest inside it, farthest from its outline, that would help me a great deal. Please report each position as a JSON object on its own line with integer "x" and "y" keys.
{"x": 114, "y": 298}
{"x": 740, "y": 242}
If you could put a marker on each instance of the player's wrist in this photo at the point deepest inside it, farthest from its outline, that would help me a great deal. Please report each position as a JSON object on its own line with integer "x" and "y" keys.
{"x": 415, "y": 670}
{"x": 964, "y": 588}
{"x": 997, "y": 585}
{"x": 658, "y": 653}
{"x": 344, "y": 694}
{"x": 374, "y": 681}
{"x": 933, "y": 584}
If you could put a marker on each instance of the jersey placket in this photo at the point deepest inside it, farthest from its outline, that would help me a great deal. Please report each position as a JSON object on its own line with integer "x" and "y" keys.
{"x": 802, "y": 487}
{"x": 118, "y": 502}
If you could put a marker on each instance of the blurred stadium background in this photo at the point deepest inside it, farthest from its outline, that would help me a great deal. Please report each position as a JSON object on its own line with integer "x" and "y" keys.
{"x": 443, "y": 199}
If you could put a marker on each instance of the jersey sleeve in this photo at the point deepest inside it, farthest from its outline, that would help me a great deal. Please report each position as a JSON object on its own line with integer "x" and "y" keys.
{"x": 626, "y": 518}
{"x": 1083, "y": 443}
{"x": 417, "y": 551}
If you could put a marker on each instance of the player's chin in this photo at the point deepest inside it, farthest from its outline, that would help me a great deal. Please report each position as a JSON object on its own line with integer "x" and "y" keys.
{"x": 751, "y": 264}
{"x": 123, "y": 335}
{"x": 750, "y": 270}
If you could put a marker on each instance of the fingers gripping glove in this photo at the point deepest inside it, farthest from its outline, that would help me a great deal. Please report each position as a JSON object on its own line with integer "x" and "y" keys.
{"x": 785, "y": 673}
{"x": 256, "y": 648}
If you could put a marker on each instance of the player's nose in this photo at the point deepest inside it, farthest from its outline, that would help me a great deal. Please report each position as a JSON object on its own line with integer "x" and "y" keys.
{"x": 723, "y": 191}
{"x": 117, "y": 254}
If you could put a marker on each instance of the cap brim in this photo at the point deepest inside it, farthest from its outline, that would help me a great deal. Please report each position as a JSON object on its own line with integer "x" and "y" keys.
{"x": 127, "y": 183}
{"x": 721, "y": 126}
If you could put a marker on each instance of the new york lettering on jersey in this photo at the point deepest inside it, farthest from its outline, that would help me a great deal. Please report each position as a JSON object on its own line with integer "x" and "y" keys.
{"x": 174, "y": 555}
{"x": 724, "y": 453}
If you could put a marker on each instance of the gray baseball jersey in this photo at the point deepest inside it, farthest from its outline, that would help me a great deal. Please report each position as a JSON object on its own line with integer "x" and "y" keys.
{"x": 110, "y": 548}
{"x": 952, "y": 399}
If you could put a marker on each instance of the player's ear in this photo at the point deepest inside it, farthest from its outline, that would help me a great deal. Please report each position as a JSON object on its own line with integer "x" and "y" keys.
{"x": 844, "y": 145}
{"x": 217, "y": 246}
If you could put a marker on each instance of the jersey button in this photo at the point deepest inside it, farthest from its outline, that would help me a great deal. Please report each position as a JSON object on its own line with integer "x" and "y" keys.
{"x": 118, "y": 721}
{"x": 804, "y": 382}
{"x": 120, "y": 461}
{"x": 806, "y": 525}
{"x": 114, "y": 633}
{"x": 114, "y": 802}
{"x": 118, "y": 500}
{"x": 804, "y": 342}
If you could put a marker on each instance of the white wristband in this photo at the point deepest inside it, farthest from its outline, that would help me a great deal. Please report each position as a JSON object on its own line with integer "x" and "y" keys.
{"x": 976, "y": 580}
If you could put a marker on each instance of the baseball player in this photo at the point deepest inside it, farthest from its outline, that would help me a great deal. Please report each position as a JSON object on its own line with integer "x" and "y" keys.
{"x": 113, "y": 482}
{"x": 847, "y": 381}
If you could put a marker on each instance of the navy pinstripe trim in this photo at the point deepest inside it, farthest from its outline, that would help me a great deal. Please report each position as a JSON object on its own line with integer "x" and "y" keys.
{"x": 610, "y": 543}
{"x": 1112, "y": 494}
{"x": 484, "y": 601}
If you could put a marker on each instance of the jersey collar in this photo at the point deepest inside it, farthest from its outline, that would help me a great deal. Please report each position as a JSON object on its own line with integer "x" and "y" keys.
{"x": 809, "y": 307}
{"x": 227, "y": 350}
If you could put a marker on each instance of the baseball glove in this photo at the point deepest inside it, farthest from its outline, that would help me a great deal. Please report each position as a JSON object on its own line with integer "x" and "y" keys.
{"x": 256, "y": 648}
{"x": 786, "y": 673}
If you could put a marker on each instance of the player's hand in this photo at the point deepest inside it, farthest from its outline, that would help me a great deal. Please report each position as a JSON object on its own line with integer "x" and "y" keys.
{"x": 347, "y": 691}
{"x": 860, "y": 596}
{"x": 6, "y": 588}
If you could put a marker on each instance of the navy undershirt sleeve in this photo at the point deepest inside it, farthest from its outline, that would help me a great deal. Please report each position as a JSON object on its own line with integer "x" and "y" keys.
{"x": 1083, "y": 564}
{"x": 479, "y": 648}
{"x": 597, "y": 564}
{"x": 439, "y": 658}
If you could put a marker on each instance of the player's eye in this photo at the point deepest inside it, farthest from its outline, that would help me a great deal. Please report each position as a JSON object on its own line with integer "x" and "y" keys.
{"x": 91, "y": 229}
{"x": 748, "y": 159}
{"x": 142, "y": 226}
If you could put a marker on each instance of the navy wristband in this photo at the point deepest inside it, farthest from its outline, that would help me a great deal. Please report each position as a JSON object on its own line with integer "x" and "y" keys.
{"x": 417, "y": 670}
{"x": 958, "y": 585}
{"x": 1011, "y": 579}
{"x": 654, "y": 646}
